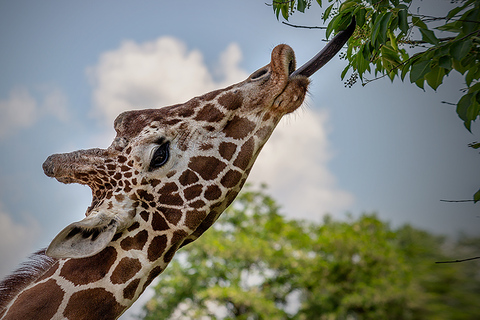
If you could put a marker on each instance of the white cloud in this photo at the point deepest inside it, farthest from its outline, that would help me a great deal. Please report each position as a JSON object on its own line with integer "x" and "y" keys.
{"x": 54, "y": 103}
{"x": 164, "y": 72}
{"x": 156, "y": 74}
{"x": 294, "y": 164}
{"x": 21, "y": 109}
{"x": 17, "y": 241}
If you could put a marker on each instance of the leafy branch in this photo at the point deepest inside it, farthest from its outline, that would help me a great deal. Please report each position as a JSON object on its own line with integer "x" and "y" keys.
{"x": 381, "y": 45}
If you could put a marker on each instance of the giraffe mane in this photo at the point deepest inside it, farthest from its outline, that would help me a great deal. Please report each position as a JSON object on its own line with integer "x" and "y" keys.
{"x": 29, "y": 271}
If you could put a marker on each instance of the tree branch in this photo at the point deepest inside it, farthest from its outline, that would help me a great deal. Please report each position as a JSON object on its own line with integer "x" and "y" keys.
{"x": 461, "y": 260}
{"x": 305, "y": 27}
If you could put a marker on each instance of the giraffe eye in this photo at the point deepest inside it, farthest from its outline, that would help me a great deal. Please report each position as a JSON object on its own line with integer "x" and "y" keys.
{"x": 160, "y": 156}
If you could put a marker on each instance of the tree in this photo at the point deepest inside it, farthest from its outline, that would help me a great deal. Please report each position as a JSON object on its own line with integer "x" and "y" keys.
{"x": 392, "y": 41}
{"x": 255, "y": 264}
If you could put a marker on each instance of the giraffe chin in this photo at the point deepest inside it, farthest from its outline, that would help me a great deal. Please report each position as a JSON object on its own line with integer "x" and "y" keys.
{"x": 293, "y": 95}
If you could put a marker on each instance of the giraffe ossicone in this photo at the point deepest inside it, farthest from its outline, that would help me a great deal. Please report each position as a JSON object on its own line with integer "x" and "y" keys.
{"x": 165, "y": 179}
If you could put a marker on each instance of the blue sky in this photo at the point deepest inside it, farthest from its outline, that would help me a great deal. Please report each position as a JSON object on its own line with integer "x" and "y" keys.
{"x": 68, "y": 67}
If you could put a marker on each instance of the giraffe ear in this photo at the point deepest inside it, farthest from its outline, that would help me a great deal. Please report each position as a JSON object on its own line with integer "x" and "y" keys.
{"x": 83, "y": 238}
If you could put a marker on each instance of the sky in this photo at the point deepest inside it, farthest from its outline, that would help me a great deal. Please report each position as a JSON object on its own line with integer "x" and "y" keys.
{"x": 67, "y": 68}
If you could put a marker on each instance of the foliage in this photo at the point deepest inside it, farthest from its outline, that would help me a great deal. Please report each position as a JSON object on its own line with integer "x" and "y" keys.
{"x": 255, "y": 264}
{"x": 385, "y": 30}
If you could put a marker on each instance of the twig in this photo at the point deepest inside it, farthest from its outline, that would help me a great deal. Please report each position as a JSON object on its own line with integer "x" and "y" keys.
{"x": 457, "y": 200}
{"x": 454, "y": 261}
{"x": 305, "y": 27}
{"x": 449, "y": 103}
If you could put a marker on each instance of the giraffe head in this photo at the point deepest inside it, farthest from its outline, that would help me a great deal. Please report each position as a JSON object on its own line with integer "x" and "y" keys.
{"x": 174, "y": 170}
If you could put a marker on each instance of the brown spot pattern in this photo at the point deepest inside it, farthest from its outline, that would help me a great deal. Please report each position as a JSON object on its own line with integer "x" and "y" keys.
{"x": 238, "y": 128}
{"x": 152, "y": 275}
{"x": 231, "y": 100}
{"x": 144, "y": 215}
{"x": 130, "y": 289}
{"x": 157, "y": 247}
{"x": 188, "y": 177}
{"x": 125, "y": 270}
{"x": 194, "y": 218}
{"x": 177, "y": 238}
{"x": 91, "y": 304}
{"x": 158, "y": 222}
{"x": 207, "y": 167}
{"x": 170, "y": 199}
{"x": 35, "y": 304}
{"x": 172, "y": 215}
{"x": 209, "y": 113}
{"x": 145, "y": 195}
{"x": 133, "y": 226}
{"x": 245, "y": 155}
{"x": 226, "y": 150}
{"x": 213, "y": 192}
{"x": 90, "y": 269}
{"x": 231, "y": 179}
{"x": 168, "y": 188}
{"x": 193, "y": 192}
{"x": 136, "y": 242}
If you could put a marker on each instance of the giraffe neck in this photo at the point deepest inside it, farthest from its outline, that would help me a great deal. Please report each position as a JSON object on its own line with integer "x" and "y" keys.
{"x": 102, "y": 286}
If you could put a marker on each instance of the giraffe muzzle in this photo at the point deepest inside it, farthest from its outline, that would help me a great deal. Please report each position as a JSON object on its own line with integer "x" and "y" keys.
{"x": 72, "y": 167}
{"x": 327, "y": 53}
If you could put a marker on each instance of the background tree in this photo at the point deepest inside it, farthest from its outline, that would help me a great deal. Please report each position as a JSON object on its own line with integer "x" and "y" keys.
{"x": 393, "y": 41}
{"x": 255, "y": 264}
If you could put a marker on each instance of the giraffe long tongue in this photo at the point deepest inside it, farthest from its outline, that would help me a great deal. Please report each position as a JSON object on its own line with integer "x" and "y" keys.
{"x": 327, "y": 53}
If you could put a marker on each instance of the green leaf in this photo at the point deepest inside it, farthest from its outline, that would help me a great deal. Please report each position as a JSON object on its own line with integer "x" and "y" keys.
{"x": 419, "y": 70}
{"x": 471, "y": 75}
{"x": 405, "y": 69}
{"x": 476, "y": 196}
{"x": 301, "y": 5}
{"x": 420, "y": 83}
{"x": 470, "y": 21}
{"x": 435, "y": 77}
{"x": 379, "y": 33}
{"x": 453, "y": 12}
{"x": 344, "y": 72}
{"x": 463, "y": 104}
{"x": 346, "y": 20}
{"x": 455, "y": 26}
{"x": 457, "y": 65}
{"x": 362, "y": 64}
{"x": 459, "y": 49}
{"x": 419, "y": 22}
{"x": 445, "y": 62}
{"x": 475, "y": 88}
{"x": 474, "y": 145}
{"x": 360, "y": 17}
{"x": 466, "y": 109}
{"x": 285, "y": 12}
{"x": 327, "y": 13}
{"x": 330, "y": 27}
{"x": 428, "y": 36}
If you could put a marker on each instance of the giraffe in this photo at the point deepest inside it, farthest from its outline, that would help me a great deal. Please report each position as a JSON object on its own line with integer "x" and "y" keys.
{"x": 164, "y": 180}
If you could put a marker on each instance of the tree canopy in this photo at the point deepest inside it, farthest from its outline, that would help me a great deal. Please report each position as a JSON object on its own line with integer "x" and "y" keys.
{"x": 393, "y": 40}
{"x": 255, "y": 264}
